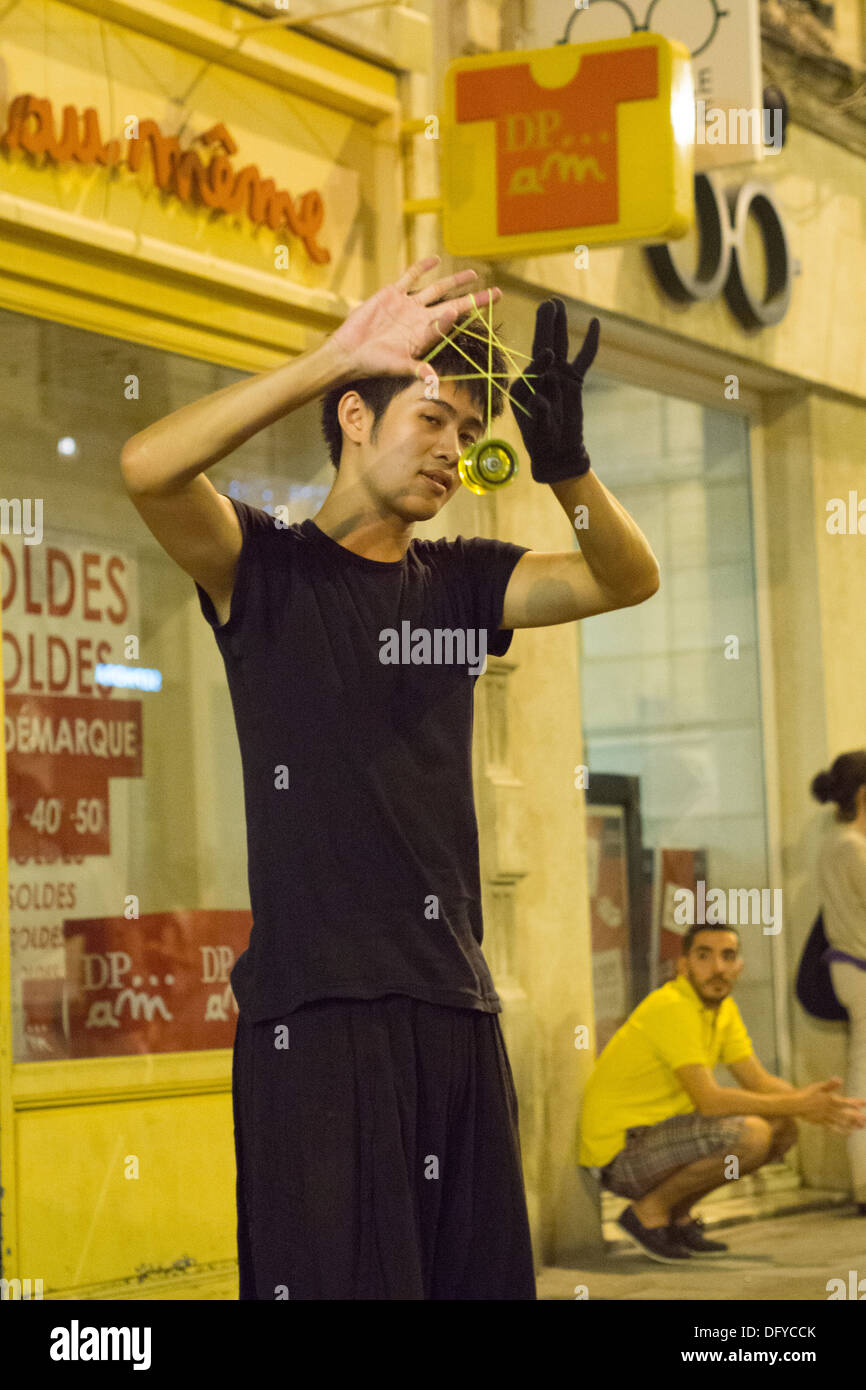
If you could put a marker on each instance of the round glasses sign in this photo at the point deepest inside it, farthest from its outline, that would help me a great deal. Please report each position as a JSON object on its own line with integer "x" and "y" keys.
{"x": 722, "y": 219}
{"x": 693, "y": 22}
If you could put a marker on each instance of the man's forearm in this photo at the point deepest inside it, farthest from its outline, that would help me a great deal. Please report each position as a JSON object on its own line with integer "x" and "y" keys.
{"x": 776, "y": 1085}
{"x": 171, "y": 452}
{"x": 730, "y": 1100}
{"x": 611, "y": 542}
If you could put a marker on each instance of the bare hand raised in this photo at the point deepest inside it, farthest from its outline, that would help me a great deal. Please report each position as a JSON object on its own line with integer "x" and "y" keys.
{"x": 394, "y": 328}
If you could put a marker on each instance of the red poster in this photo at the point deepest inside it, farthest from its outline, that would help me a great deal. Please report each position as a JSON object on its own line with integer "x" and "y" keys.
{"x": 609, "y": 916}
{"x": 672, "y": 869}
{"x": 61, "y": 751}
{"x": 156, "y": 984}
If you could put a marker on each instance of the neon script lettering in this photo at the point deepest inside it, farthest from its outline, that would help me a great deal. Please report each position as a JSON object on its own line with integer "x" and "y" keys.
{"x": 180, "y": 172}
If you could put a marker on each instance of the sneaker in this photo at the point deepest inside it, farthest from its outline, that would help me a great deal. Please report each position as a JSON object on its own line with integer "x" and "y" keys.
{"x": 658, "y": 1243}
{"x": 691, "y": 1237}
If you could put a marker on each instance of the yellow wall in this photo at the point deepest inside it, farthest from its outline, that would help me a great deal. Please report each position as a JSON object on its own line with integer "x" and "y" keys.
{"x": 814, "y": 452}
{"x": 839, "y": 444}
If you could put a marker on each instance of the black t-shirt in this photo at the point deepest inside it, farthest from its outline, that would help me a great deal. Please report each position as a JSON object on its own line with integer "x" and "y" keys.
{"x": 362, "y": 841}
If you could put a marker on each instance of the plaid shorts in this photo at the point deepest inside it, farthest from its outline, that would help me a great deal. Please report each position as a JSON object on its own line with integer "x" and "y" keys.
{"x": 653, "y": 1152}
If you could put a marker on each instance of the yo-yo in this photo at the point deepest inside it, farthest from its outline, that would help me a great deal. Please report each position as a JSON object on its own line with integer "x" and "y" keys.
{"x": 490, "y": 463}
{"x": 487, "y": 465}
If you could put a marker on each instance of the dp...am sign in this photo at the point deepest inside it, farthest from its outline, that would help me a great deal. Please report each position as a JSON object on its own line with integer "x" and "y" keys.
{"x": 550, "y": 147}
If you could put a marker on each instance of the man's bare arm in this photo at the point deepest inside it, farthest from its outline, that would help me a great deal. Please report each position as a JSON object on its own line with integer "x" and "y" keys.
{"x": 614, "y": 568}
{"x": 818, "y": 1103}
{"x": 712, "y": 1099}
{"x": 753, "y": 1076}
{"x": 163, "y": 465}
{"x": 612, "y": 544}
{"x": 163, "y": 458}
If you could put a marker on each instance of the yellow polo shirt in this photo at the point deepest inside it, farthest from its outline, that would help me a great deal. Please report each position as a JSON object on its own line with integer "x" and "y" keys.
{"x": 633, "y": 1081}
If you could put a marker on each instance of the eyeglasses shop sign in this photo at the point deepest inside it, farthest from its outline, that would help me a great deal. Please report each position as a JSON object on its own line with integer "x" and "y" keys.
{"x": 722, "y": 266}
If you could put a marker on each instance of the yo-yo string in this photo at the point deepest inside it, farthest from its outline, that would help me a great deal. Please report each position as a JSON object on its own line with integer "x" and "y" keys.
{"x": 464, "y": 328}
{"x": 483, "y": 339}
{"x": 438, "y": 347}
{"x": 509, "y": 353}
{"x": 468, "y": 376}
{"x": 489, "y": 355}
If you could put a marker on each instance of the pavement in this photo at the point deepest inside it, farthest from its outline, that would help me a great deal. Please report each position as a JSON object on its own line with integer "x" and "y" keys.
{"x": 781, "y": 1258}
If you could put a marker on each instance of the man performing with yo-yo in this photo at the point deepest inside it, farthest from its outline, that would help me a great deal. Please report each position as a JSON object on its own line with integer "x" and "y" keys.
{"x": 375, "y": 1113}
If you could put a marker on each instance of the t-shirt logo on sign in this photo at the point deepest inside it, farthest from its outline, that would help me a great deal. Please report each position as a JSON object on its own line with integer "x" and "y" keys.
{"x": 556, "y": 147}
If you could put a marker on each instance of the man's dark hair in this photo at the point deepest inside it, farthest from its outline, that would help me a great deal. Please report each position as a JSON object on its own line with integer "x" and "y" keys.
{"x": 377, "y": 392}
{"x": 692, "y": 932}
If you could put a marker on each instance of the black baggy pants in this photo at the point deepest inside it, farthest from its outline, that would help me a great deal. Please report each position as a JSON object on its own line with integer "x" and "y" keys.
{"x": 378, "y": 1155}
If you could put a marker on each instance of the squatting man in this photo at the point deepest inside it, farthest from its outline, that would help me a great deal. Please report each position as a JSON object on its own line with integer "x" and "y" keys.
{"x": 360, "y": 1174}
{"x": 657, "y": 1127}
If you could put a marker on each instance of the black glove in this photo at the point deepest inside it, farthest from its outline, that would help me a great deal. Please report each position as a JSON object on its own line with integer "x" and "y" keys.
{"x": 553, "y": 431}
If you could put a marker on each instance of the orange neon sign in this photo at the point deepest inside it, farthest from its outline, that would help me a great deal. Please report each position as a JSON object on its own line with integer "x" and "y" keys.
{"x": 180, "y": 172}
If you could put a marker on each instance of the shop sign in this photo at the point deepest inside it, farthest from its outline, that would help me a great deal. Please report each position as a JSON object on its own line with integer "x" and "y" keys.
{"x": 179, "y": 172}
{"x": 548, "y": 148}
{"x": 157, "y": 983}
{"x": 722, "y": 219}
{"x": 724, "y": 41}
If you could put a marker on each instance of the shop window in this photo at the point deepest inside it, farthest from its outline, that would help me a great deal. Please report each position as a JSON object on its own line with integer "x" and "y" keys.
{"x": 670, "y": 689}
{"x": 127, "y": 868}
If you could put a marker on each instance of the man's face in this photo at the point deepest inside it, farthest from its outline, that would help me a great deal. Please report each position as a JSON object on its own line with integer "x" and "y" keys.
{"x": 417, "y": 438}
{"x": 712, "y": 965}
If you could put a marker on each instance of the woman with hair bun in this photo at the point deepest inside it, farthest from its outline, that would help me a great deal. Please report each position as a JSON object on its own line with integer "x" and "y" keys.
{"x": 842, "y": 877}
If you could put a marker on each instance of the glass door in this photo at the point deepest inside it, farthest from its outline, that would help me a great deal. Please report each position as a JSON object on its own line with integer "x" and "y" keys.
{"x": 670, "y": 689}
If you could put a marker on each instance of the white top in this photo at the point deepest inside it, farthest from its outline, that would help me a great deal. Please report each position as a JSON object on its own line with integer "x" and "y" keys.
{"x": 842, "y": 879}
